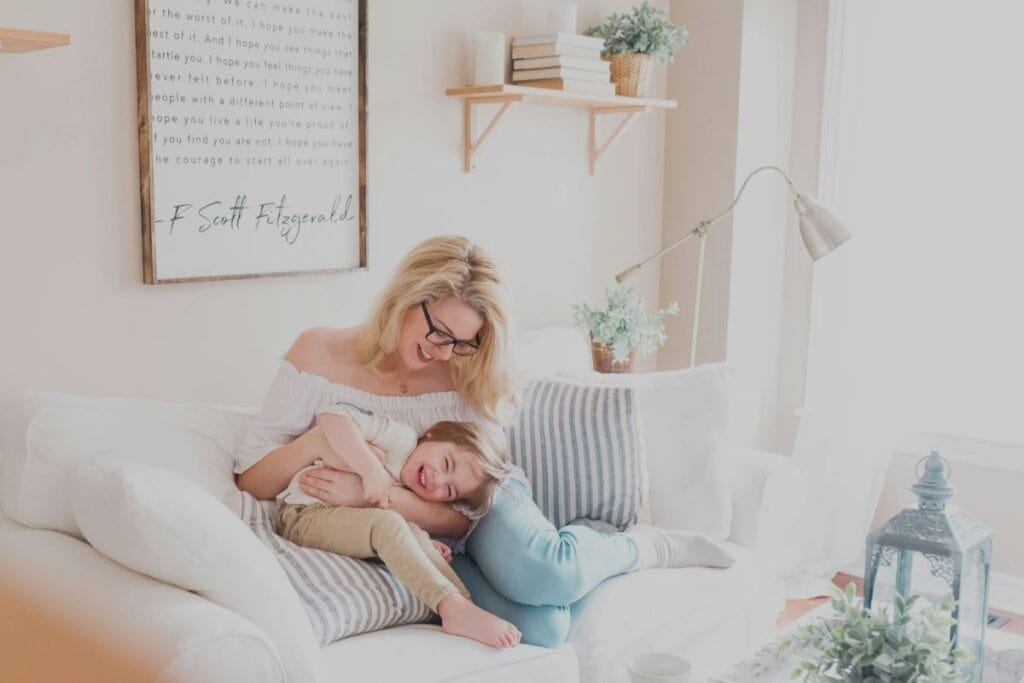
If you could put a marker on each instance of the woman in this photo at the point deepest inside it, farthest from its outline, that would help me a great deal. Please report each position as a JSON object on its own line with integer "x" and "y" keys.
{"x": 435, "y": 349}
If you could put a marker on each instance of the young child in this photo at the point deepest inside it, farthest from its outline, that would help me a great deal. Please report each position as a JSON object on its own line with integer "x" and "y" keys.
{"x": 452, "y": 462}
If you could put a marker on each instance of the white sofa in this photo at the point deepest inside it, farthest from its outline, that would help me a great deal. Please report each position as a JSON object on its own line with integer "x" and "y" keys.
{"x": 712, "y": 617}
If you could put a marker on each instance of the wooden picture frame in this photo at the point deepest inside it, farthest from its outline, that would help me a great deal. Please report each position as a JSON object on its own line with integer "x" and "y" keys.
{"x": 244, "y": 217}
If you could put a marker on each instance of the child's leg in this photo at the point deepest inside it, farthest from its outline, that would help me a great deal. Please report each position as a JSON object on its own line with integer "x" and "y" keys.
{"x": 370, "y": 532}
{"x": 436, "y": 559}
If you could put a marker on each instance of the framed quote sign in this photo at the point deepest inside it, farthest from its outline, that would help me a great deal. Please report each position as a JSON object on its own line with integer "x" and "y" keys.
{"x": 252, "y": 137}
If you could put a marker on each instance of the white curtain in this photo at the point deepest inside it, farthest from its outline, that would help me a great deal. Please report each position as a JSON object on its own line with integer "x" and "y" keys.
{"x": 917, "y": 323}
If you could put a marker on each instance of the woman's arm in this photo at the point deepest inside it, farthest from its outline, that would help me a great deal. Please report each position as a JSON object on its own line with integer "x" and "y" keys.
{"x": 271, "y": 473}
{"x": 343, "y": 488}
{"x": 351, "y": 452}
{"x": 437, "y": 519}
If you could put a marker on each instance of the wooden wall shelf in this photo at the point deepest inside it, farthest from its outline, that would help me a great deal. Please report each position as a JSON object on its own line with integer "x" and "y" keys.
{"x": 505, "y": 95}
{"x": 17, "y": 40}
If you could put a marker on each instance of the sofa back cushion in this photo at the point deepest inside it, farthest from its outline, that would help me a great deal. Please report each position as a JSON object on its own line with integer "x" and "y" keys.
{"x": 685, "y": 417}
{"x": 47, "y": 435}
{"x": 581, "y": 450}
{"x": 161, "y": 524}
{"x": 550, "y": 351}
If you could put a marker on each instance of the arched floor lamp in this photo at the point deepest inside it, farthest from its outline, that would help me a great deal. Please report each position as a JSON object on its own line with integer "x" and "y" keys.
{"x": 820, "y": 229}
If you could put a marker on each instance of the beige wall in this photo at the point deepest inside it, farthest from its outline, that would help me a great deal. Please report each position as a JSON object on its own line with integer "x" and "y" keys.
{"x": 700, "y": 173}
{"x": 751, "y": 103}
{"x": 75, "y": 314}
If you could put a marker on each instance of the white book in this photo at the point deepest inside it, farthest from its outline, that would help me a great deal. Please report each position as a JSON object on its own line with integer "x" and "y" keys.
{"x": 560, "y": 72}
{"x": 564, "y": 38}
{"x": 572, "y": 85}
{"x": 561, "y": 60}
{"x": 553, "y": 50}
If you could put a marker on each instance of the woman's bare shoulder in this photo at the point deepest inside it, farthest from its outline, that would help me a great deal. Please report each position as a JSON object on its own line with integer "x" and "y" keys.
{"x": 324, "y": 351}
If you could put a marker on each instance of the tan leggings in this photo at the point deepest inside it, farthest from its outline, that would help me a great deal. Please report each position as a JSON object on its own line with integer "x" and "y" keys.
{"x": 363, "y": 533}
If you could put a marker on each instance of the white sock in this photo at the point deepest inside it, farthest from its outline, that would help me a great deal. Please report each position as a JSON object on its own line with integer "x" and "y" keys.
{"x": 673, "y": 548}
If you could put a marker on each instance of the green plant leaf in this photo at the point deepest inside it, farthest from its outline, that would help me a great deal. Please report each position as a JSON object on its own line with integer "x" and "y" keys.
{"x": 623, "y": 324}
{"x": 644, "y": 30}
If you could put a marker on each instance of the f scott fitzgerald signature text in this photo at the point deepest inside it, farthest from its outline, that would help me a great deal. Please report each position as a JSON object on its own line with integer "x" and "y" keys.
{"x": 239, "y": 215}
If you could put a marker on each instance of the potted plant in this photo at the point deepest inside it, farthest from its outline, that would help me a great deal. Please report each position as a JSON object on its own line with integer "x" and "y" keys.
{"x": 633, "y": 41}
{"x": 910, "y": 643}
{"x": 622, "y": 328}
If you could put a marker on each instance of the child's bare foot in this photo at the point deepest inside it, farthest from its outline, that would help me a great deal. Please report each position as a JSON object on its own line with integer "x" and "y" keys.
{"x": 445, "y": 551}
{"x": 460, "y": 617}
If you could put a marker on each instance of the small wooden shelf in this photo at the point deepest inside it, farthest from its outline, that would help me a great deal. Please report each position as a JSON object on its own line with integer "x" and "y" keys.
{"x": 506, "y": 95}
{"x": 17, "y": 40}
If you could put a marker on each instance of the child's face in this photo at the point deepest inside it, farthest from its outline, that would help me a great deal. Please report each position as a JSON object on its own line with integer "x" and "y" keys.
{"x": 441, "y": 471}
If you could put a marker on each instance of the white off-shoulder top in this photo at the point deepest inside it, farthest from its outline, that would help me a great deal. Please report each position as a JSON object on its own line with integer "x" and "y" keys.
{"x": 295, "y": 397}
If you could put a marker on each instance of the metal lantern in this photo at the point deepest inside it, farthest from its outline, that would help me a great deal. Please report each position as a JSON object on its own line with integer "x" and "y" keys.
{"x": 935, "y": 551}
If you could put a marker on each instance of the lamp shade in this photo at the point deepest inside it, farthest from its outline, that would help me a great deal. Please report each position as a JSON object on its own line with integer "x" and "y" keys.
{"x": 820, "y": 229}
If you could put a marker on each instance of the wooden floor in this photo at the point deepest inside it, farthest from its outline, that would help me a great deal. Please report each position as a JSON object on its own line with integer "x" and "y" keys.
{"x": 797, "y": 608}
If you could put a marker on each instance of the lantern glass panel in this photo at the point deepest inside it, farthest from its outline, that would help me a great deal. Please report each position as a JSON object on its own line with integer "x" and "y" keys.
{"x": 922, "y": 581}
{"x": 972, "y": 617}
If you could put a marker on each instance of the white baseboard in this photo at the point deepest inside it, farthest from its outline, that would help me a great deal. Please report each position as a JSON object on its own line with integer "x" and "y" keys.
{"x": 1006, "y": 593}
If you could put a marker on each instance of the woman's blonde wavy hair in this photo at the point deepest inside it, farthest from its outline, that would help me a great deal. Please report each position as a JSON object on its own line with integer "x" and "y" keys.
{"x": 435, "y": 269}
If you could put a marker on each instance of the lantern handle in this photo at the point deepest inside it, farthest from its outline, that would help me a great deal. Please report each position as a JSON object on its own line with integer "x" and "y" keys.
{"x": 947, "y": 468}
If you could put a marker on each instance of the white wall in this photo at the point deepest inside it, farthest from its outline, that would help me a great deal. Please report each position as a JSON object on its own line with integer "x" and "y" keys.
{"x": 804, "y": 162}
{"x": 76, "y": 316}
{"x": 763, "y": 214}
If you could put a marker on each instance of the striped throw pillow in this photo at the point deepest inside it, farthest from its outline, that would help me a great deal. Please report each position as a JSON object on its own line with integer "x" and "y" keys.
{"x": 342, "y": 596}
{"x": 581, "y": 449}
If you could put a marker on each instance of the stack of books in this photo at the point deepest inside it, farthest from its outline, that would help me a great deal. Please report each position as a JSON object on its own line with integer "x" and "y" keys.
{"x": 563, "y": 61}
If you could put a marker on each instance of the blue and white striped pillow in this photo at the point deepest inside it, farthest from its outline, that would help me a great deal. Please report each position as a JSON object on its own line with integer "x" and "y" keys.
{"x": 342, "y": 596}
{"x": 581, "y": 449}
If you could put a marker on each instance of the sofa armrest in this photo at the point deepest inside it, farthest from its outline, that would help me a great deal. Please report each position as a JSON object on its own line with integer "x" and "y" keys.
{"x": 768, "y": 495}
{"x": 175, "y": 635}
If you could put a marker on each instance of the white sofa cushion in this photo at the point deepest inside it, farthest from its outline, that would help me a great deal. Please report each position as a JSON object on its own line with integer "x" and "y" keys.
{"x": 174, "y": 635}
{"x": 581, "y": 450}
{"x": 658, "y": 609}
{"x": 424, "y": 653}
{"x": 47, "y": 435}
{"x": 685, "y": 421}
{"x": 165, "y": 526}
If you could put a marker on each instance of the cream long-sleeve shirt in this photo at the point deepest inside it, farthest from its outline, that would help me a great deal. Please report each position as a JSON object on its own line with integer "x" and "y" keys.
{"x": 396, "y": 439}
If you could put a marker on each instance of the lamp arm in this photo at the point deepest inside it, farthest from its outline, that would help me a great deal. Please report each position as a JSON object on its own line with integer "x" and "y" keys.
{"x": 789, "y": 183}
{"x": 703, "y": 227}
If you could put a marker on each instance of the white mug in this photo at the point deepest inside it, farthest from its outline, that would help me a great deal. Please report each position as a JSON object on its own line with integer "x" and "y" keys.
{"x": 658, "y": 667}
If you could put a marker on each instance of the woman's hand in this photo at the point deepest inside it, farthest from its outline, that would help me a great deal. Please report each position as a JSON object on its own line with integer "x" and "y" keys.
{"x": 344, "y": 488}
{"x": 334, "y": 487}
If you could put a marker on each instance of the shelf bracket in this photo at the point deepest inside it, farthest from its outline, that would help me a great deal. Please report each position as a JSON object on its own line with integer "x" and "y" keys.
{"x": 470, "y": 146}
{"x": 597, "y": 150}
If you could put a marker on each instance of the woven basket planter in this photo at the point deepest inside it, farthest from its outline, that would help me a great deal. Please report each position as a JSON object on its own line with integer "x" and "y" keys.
{"x": 604, "y": 359}
{"x": 631, "y": 73}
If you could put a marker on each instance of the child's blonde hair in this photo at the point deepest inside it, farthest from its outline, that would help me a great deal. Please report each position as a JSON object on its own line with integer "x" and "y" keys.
{"x": 490, "y": 453}
{"x": 435, "y": 269}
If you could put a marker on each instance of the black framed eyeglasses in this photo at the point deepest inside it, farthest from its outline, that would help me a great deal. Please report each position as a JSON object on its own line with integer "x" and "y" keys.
{"x": 437, "y": 337}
